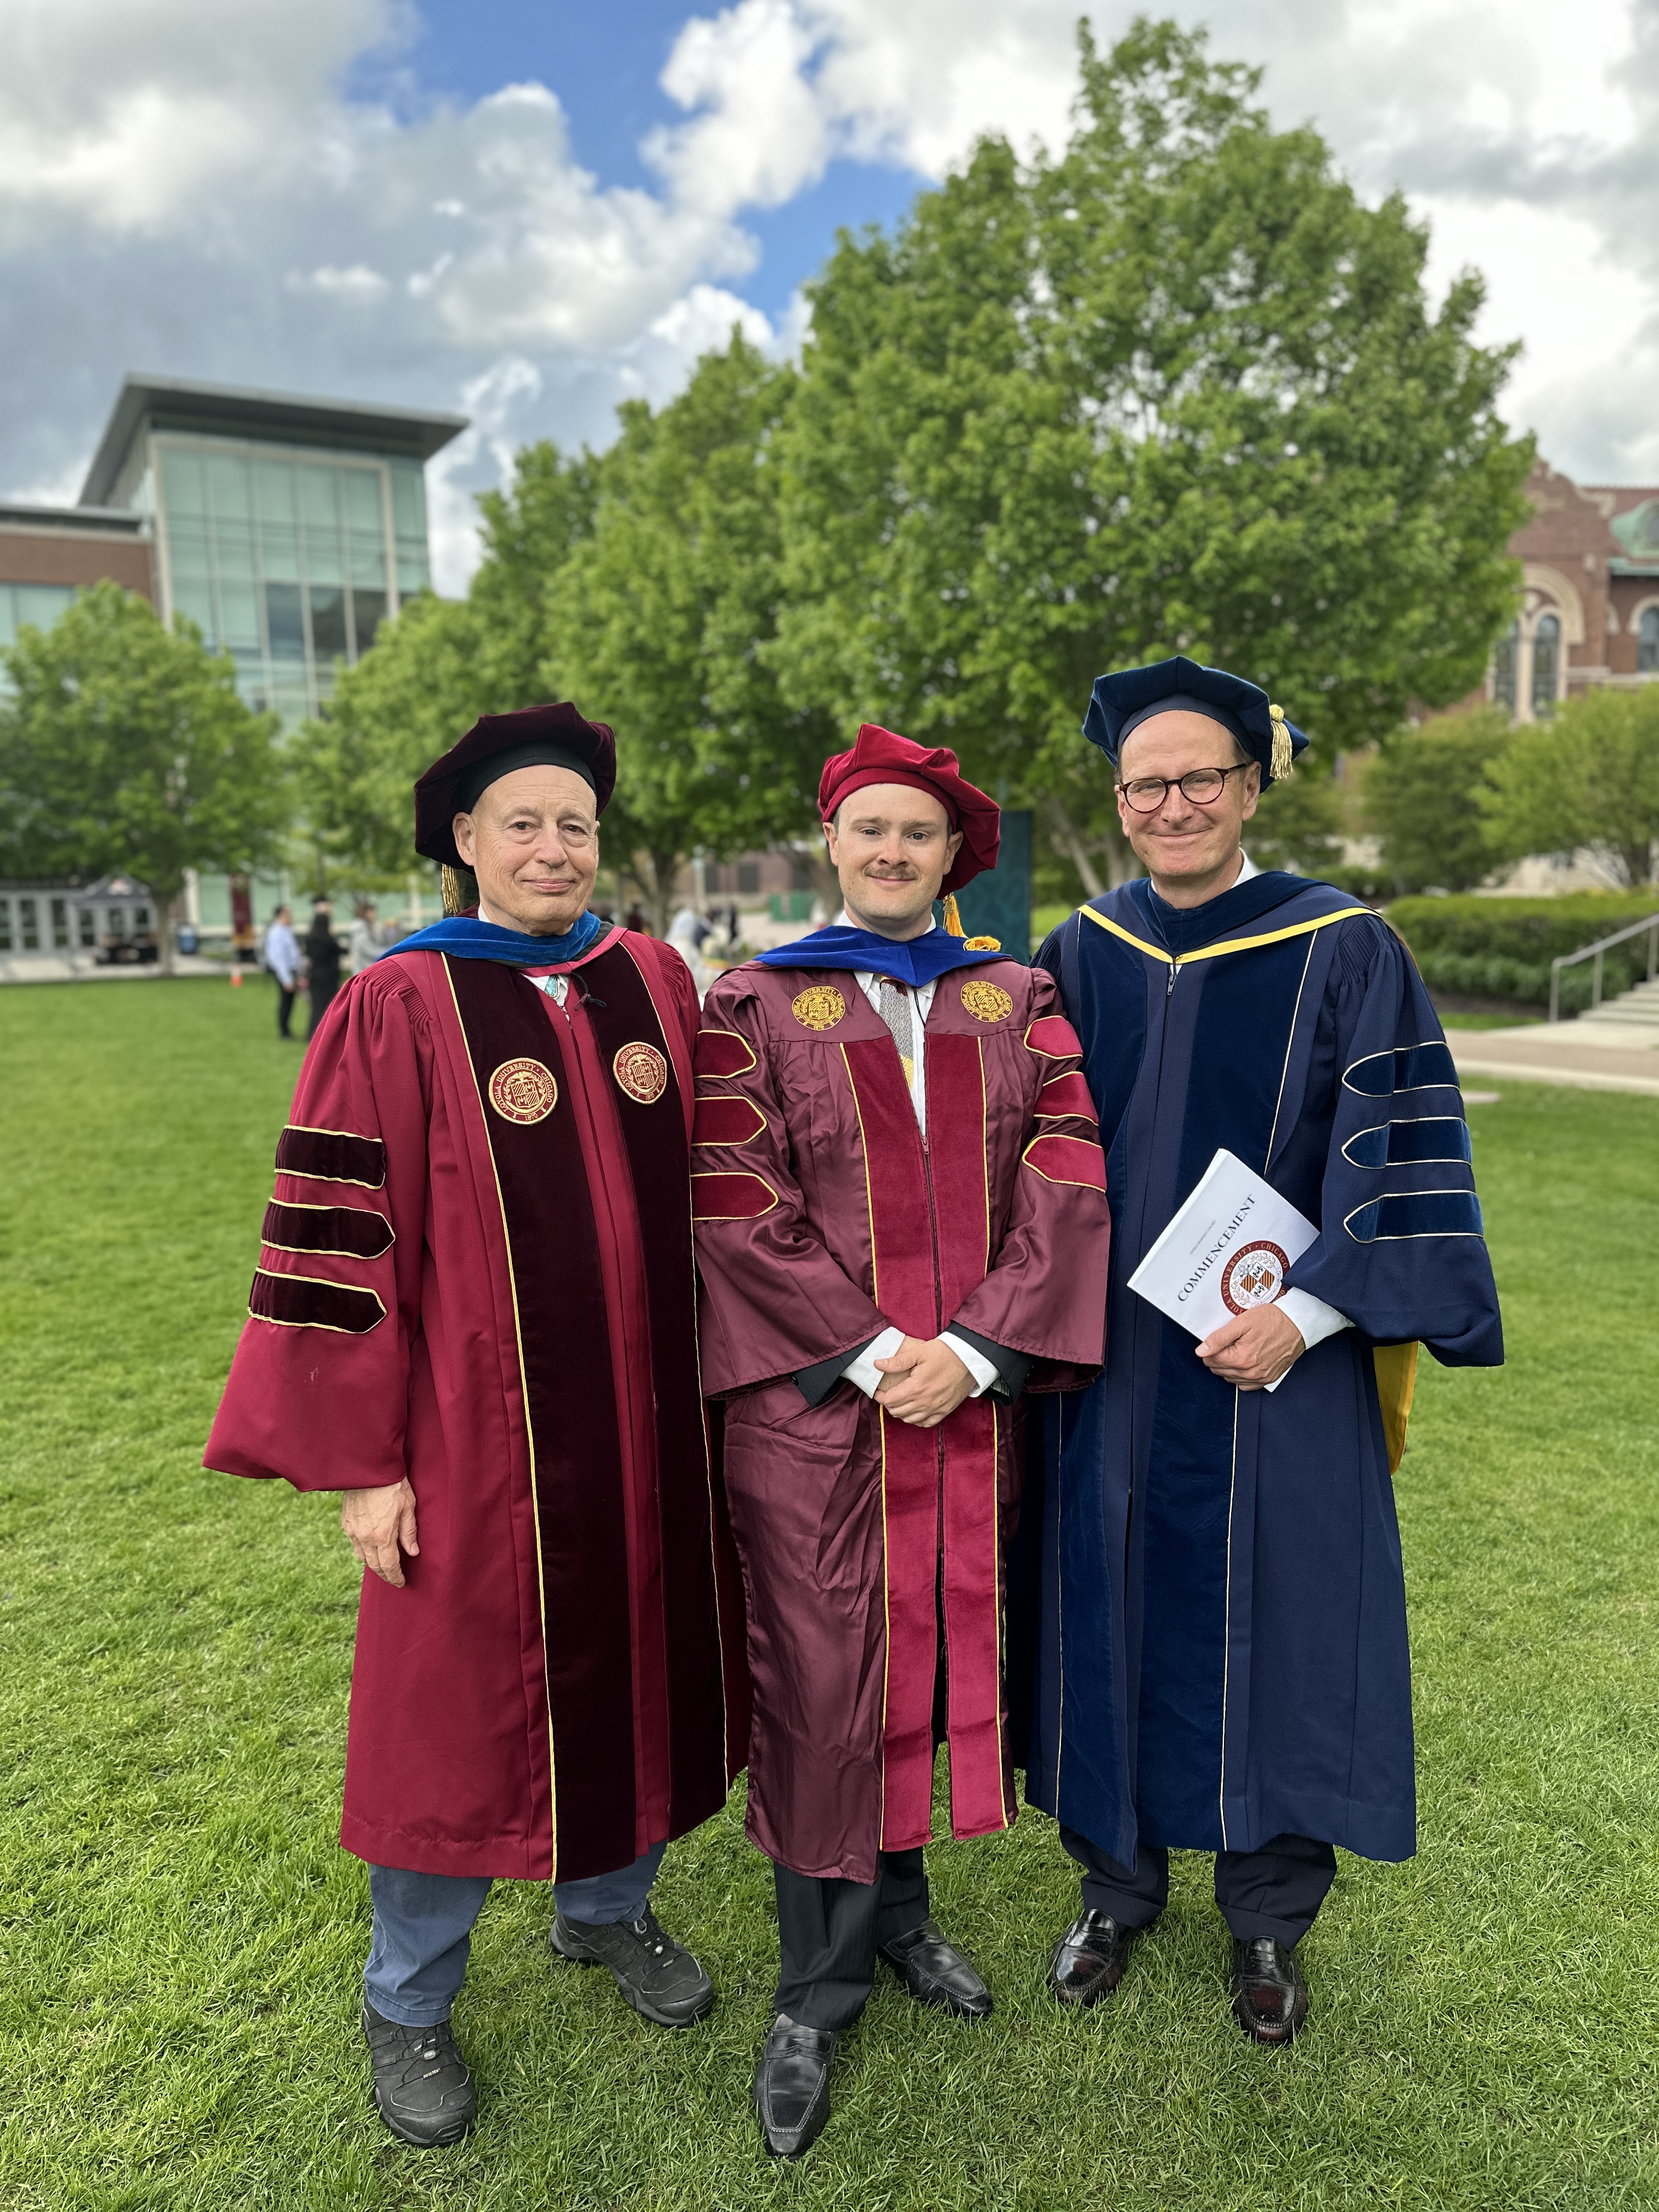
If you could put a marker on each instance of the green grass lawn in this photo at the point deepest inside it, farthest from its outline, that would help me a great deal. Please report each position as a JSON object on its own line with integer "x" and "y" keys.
{"x": 180, "y": 1936}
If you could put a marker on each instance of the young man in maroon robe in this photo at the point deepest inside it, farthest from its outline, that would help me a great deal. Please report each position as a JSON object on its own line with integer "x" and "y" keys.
{"x": 474, "y": 1315}
{"x": 901, "y": 1223}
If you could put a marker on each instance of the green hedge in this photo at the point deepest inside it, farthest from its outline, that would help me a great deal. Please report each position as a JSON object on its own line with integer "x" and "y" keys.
{"x": 1502, "y": 948}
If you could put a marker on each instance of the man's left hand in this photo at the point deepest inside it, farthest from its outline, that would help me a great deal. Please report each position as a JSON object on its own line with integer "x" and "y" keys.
{"x": 1254, "y": 1348}
{"x": 923, "y": 1382}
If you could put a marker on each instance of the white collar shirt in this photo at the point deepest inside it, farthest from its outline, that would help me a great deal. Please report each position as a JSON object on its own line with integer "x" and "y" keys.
{"x": 921, "y": 1000}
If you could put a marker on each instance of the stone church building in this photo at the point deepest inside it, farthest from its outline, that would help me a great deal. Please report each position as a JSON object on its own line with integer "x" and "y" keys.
{"x": 1590, "y": 603}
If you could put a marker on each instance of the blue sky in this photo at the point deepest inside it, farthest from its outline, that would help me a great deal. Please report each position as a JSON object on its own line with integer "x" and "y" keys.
{"x": 606, "y": 66}
{"x": 531, "y": 213}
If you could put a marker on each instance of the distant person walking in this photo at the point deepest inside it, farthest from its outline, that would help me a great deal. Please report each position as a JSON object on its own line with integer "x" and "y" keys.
{"x": 282, "y": 956}
{"x": 322, "y": 949}
{"x": 362, "y": 943}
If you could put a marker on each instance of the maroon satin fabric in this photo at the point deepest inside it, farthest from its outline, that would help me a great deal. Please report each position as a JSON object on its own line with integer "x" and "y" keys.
{"x": 815, "y": 1228}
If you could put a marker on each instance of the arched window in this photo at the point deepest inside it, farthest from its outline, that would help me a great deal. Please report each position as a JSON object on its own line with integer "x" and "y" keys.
{"x": 1505, "y": 657}
{"x": 1647, "y": 640}
{"x": 1546, "y": 666}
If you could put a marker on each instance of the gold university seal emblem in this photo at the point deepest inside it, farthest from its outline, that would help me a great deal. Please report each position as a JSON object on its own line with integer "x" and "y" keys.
{"x": 523, "y": 1090}
{"x": 1255, "y": 1276}
{"x": 986, "y": 1002}
{"x": 819, "y": 1007}
{"x": 641, "y": 1073}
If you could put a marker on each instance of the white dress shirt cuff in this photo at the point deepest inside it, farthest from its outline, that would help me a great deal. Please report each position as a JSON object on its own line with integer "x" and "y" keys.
{"x": 862, "y": 1370}
{"x": 1316, "y": 1320}
{"x": 985, "y": 1375}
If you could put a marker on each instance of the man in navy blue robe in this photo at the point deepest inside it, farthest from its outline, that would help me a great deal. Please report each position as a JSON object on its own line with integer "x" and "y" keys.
{"x": 1217, "y": 1608}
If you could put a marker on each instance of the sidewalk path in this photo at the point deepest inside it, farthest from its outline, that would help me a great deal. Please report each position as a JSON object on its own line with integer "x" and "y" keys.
{"x": 1600, "y": 1058}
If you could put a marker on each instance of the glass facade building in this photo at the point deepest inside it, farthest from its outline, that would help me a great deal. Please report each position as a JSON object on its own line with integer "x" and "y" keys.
{"x": 39, "y": 603}
{"x": 289, "y": 562}
{"x": 287, "y": 529}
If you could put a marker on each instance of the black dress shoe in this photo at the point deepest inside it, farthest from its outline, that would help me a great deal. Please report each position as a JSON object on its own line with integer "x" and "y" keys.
{"x": 1270, "y": 1998}
{"x": 659, "y": 1977}
{"x": 792, "y": 2086}
{"x": 422, "y": 2086}
{"x": 1090, "y": 1957}
{"x": 935, "y": 1973}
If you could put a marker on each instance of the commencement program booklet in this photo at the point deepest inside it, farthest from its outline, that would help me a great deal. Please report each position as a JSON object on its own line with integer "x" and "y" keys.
{"x": 1230, "y": 1247}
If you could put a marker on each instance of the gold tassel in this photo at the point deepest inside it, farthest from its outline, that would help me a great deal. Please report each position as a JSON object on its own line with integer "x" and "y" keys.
{"x": 952, "y": 919}
{"x": 1283, "y": 761}
{"x": 460, "y": 890}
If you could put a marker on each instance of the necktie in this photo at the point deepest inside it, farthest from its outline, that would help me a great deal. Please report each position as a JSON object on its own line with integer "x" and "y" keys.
{"x": 893, "y": 1004}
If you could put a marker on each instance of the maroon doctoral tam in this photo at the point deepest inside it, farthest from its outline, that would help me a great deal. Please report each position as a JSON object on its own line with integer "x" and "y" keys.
{"x": 555, "y": 736}
{"x": 883, "y": 756}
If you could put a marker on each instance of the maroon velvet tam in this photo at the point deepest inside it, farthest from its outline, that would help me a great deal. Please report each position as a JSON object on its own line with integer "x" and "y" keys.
{"x": 883, "y": 756}
{"x": 553, "y": 736}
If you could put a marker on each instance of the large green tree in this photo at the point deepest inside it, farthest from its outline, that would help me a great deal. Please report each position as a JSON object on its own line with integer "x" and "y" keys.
{"x": 660, "y": 620}
{"x": 1178, "y": 390}
{"x": 1589, "y": 777}
{"x": 123, "y": 744}
{"x": 643, "y": 583}
{"x": 443, "y": 663}
{"x": 1422, "y": 799}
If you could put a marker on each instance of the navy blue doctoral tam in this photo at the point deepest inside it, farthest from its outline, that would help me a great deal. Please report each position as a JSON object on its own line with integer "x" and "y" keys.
{"x": 1123, "y": 702}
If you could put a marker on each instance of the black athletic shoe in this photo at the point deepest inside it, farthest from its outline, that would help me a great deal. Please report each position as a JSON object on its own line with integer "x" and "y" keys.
{"x": 422, "y": 2086}
{"x": 659, "y": 1977}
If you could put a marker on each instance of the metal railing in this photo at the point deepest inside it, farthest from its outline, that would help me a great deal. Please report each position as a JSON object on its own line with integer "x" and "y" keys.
{"x": 1595, "y": 952}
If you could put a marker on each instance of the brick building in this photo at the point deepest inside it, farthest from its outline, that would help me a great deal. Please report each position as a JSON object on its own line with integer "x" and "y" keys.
{"x": 47, "y": 554}
{"x": 1589, "y": 599}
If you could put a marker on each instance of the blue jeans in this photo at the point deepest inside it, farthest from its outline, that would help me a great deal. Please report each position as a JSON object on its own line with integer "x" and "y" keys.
{"x": 424, "y": 1930}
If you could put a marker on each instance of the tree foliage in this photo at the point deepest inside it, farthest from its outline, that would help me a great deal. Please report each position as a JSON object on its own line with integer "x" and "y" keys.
{"x": 1422, "y": 799}
{"x": 1590, "y": 776}
{"x": 1178, "y": 390}
{"x": 660, "y": 620}
{"x": 123, "y": 744}
{"x": 643, "y": 584}
{"x": 443, "y": 663}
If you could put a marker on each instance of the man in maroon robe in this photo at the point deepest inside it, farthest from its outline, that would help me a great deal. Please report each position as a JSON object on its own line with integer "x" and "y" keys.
{"x": 900, "y": 1199}
{"x": 474, "y": 1314}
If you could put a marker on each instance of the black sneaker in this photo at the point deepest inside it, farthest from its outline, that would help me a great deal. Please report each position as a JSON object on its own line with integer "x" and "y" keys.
{"x": 422, "y": 2086}
{"x": 659, "y": 1977}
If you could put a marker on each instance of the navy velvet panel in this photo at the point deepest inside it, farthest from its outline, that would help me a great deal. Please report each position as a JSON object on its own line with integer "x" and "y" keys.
{"x": 1242, "y": 1035}
{"x": 1410, "y": 1261}
{"x": 1239, "y": 1018}
{"x": 1184, "y": 1512}
{"x": 1407, "y": 1068}
{"x": 1396, "y": 1144}
{"x": 1416, "y": 1213}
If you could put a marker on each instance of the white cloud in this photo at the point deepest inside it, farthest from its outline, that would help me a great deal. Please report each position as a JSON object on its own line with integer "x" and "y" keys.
{"x": 358, "y": 283}
{"x": 185, "y": 187}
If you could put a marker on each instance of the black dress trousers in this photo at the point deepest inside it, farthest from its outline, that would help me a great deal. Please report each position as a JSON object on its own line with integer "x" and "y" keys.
{"x": 829, "y": 1930}
{"x": 1276, "y": 1891}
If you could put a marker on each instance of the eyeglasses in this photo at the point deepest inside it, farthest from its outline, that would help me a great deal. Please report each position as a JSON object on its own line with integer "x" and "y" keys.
{"x": 1202, "y": 785}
